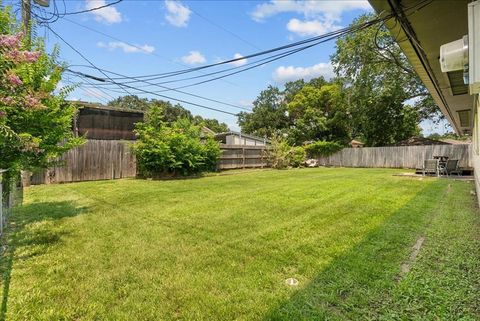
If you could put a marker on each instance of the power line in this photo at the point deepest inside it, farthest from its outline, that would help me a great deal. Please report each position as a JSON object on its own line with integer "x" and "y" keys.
{"x": 87, "y": 10}
{"x": 162, "y": 96}
{"x": 225, "y": 29}
{"x": 84, "y": 58}
{"x": 121, "y": 84}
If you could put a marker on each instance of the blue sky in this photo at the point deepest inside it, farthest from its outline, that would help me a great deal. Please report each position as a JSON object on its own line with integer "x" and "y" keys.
{"x": 172, "y": 35}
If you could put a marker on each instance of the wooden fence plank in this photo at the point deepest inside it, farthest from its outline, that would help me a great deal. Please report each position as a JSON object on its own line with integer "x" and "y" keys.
{"x": 397, "y": 156}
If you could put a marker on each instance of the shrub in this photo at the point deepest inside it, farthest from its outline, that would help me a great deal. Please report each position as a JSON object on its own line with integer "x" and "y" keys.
{"x": 173, "y": 149}
{"x": 282, "y": 155}
{"x": 322, "y": 149}
{"x": 297, "y": 156}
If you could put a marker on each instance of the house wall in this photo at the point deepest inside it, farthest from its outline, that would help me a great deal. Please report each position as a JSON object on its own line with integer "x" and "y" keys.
{"x": 476, "y": 145}
{"x": 237, "y": 140}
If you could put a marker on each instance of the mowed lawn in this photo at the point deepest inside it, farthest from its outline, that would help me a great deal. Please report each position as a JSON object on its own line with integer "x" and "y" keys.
{"x": 222, "y": 246}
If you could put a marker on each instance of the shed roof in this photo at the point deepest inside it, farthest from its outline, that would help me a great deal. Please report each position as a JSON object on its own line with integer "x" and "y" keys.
{"x": 420, "y": 141}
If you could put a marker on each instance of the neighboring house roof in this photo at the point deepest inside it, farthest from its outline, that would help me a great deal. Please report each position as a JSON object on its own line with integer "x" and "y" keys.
{"x": 456, "y": 142}
{"x": 420, "y": 32}
{"x": 420, "y": 141}
{"x": 225, "y": 134}
{"x": 207, "y": 131}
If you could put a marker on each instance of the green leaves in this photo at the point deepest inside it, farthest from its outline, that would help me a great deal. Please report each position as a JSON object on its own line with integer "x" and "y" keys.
{"x": 380, "y": 84}
{"x": 303, "y": 111}
{"x": 166, "y": 149}
{"x": 35, "y": 122}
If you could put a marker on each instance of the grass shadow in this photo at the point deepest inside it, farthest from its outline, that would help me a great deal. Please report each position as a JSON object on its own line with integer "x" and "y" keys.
{"x": 16, "y": 236}
{"x": 352, "y": 285}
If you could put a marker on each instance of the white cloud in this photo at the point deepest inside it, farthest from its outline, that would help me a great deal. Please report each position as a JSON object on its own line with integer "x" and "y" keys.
{"x": 239, "y": 63}
{"x": 193, "y": 58}
{"x": 178, "y": 14}
{"x": 311, "y": 28}
{"x": 290, "y": 73}
{"x": 108, "y": 15}
{"x": 245, "y": 103}
{"x": 126, "y": 47}
{"x": 310, "y": 8}
{"x": 319, "y": 16}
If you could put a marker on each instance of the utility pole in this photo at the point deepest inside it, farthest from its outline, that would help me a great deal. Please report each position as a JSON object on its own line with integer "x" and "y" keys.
{"x": 26, "y": 17}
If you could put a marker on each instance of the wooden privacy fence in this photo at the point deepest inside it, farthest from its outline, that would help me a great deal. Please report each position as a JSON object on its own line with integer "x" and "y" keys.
{"x": 95, "y": 160}
{"x": 112, "y": 159}
{"x": 397, "y": 156}
{"x": 241, "y": 156}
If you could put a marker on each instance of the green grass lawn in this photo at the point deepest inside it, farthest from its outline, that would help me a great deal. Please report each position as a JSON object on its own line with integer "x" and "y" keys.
{"x": 221, "y": 248}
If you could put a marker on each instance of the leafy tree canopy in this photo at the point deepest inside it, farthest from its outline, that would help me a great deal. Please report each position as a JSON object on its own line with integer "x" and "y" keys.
{"x": 386, "y": 97}
{"x": 170, "y": 112}
{"x": 303, "y": 111}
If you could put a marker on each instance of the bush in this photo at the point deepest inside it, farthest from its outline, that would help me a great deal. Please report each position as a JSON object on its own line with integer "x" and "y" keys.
{"x": 282, "y": 155}
{"x": 297, "y": 156}
{"x": 322, "y": 149}
{"x": 173, "y": 149}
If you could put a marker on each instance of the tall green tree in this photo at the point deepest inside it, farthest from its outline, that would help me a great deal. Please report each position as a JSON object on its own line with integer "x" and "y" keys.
{"x": 130, "y": 102}
{"x": 302, "y": 111}
{"x": 170, "y": 112}
{"x": 319, "y": 112}
{"x": 387, "y": 99}
{"x": 269, "y": 115}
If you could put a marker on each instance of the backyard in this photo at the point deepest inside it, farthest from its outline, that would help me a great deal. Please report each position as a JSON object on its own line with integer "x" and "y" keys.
{"x": 362, "y": 243}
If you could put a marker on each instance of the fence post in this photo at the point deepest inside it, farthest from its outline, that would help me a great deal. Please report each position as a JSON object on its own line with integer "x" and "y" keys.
{"x": 243, "y": 157}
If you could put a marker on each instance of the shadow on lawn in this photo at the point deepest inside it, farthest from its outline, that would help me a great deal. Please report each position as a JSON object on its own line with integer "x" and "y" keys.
{"x": 356, "y": 284}
{"x": 17, "y": 237}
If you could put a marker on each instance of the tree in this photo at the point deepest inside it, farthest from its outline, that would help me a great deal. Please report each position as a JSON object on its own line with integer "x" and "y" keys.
{"x": 269, "y": 115}
{"x": 35, "y": 123}
{"x": 381, "y": 86}
{"x": 170, "y": 112}
{"x": 303, "y": 111}
{"x": 319, "y": 112}
{"x": 130, "y": 102}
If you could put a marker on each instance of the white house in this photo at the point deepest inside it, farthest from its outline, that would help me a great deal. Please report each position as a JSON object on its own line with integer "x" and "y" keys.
{"x": 236, "y": 138}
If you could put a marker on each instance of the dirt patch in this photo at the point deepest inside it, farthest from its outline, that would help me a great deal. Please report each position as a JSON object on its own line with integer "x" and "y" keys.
{"x": 407, "y": 265}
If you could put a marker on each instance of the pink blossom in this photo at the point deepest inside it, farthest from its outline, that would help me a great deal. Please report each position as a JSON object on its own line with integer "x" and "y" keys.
{"x": 14, "y": 80}
{"x": 31, "y": 56}
{"x": 33, "y": 102}
{"x": 11, "y": 41}
{"x": 6, "y": 100}
{"x": 2, "y": 113}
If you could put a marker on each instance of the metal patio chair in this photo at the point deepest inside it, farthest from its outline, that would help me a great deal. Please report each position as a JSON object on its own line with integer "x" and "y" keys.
{"x": 451, "y": 167}
{"x": 430, "y": 166}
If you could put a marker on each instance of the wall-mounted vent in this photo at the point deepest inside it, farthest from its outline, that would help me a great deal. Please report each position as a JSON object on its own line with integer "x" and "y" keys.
{"x": 464, "y": 117}
{"x": 457, "y": 84}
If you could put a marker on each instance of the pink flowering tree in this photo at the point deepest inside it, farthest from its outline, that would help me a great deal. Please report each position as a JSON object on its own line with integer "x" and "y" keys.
{"x": 35, "y": 121}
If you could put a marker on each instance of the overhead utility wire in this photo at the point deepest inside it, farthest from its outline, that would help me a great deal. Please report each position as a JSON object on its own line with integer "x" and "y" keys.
{"x": 415, "y": 7}
{"x": 163, "y": 96}
{"x": 84, "y": 58}
{"x": 127, "y": 86}
{"x": 165, "y": 87}
{"x": 255, "y": 64}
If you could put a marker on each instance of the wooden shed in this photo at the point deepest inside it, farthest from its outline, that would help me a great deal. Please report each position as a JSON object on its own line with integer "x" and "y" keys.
{"x": 96, "y": 121}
